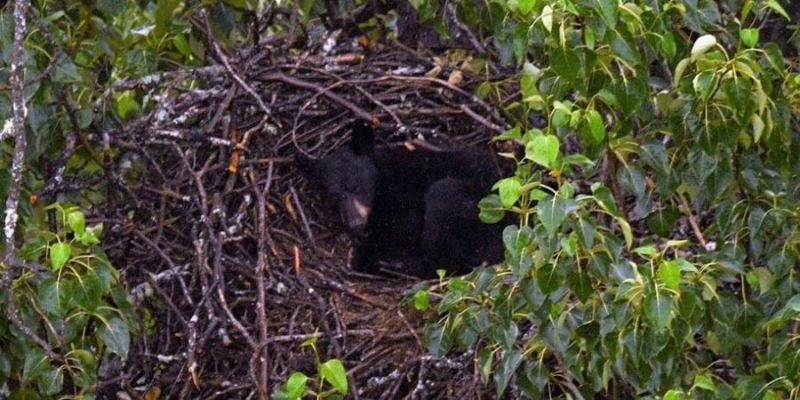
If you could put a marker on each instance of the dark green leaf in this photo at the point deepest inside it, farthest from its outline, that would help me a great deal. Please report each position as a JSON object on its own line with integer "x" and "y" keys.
{"x": 565, "y": 62}
{"x": 36, "y": 365}
{"x": 116, "y": 336}
{"x": 88, "y": 290}
{"x": 657, "y": 310}
{"x": 505, "y": 370}
{"x": 549, "y": 279}
{"x": 624, "y": 46}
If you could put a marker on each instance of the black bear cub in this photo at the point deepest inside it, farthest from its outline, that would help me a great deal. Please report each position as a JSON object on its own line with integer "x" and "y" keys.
{"x": 412, "y": 210}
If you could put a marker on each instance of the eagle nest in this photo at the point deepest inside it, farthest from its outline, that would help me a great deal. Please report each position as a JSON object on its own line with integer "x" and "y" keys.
{"x": 228, "y": 253}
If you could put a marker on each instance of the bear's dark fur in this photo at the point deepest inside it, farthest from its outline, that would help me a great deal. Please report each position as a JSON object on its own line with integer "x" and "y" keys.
{"x": 413, "y": 210}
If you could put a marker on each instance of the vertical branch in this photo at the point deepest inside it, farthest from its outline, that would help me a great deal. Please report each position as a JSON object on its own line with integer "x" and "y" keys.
{"x": 12, "y": 202}
{"x": 262, "y": 269}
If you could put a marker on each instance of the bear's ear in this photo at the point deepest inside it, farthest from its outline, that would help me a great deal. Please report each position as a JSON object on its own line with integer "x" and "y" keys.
{"x": 363, "y": 140}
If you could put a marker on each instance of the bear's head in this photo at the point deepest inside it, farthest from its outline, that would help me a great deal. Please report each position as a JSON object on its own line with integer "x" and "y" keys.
{"x": 349, "y": 176}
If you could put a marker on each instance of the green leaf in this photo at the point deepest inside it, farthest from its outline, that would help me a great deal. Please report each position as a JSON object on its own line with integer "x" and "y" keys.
{"x": 626, "y": 231}
{"x": 657, "y": 308}
{"x": 679, "y": 69}
{"x": 670, "y": 273}
{"x": 421, "y": 300}
{"x": 295, "y": 386}
{"x": 76, "y": 222}
{"x": 36, "y": 364}
{"x": 625, "y": 48}
{"x": 704, "y": 84}
{"x": 549, "y": 279}
{"x": 749, "y": 37}
{"x": 668, "y": 45}
{"x": 702, "y": 44}
{"x": 52, "y": 381}
{"x": 88, "y": 290}
{"x": 505, "y": 370}
{"x": 608, "y": 11}
{"x": 525, "y": 6}
{"x": 543, "y": 150}
{"x": 565, "y": 62}
{"x": 705, "y": 382}
{"x": 552, "y": 211}
{"x": 509, "y": 189}
{"x": 333, "y": 372}
{"x": 55, "y": 295}
{"x": 775, "y": 6}
{"x": 673, "y": 395}
{"x": 492, "y": 209}
{"x": 513, "y": 133}
{"x": 596, "y": 127}
{"x": 116, "y": 336}
{"x": 59, "y": 255}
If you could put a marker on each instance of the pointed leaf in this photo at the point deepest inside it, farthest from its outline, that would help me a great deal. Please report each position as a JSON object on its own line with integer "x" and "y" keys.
{"x": 116, "y": 336}
{"x": 333, "y": 372}
{"x": 552, "y": 211}
{"x": 59, "y": 255}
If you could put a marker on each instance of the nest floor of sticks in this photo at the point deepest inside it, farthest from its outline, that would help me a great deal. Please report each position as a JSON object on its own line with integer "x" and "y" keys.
{"x": 233, "y": 253}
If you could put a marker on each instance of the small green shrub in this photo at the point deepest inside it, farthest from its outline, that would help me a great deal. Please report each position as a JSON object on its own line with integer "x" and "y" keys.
{"x": 76, "y": 305}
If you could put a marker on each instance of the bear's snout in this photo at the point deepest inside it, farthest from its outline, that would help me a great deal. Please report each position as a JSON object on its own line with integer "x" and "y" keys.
{"x": 354, "y": 213}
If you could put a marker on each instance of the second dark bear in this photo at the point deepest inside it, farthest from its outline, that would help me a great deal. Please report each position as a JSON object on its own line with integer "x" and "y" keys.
{"x": 412, "y": 210}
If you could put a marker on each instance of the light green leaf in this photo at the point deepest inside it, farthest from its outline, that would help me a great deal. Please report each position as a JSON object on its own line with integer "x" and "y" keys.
{"x": 76, "y": 222}
{"x": 775, "y": 6}
{"x": 525, "y": 6}
{"x": 421, "y": 300}
{"x": 296, "y": 385}
{"x": 669, "y": 272}
{"x": 749, "y": 37}
{"x": 679, "y": 69}
{"x": 702, "y": 44}
{"x": 552, "y": 211}
{"x": 509, "y": 189}
{"x": 333, "y": 372}
{"x": 705, "y": 382}
{"x": 758, "y": 127}
{"x": 596, "y": 126}
{"x": 492, "y": 209}
{"x": 543, "y": 150}
{"x": 59, "y": 255}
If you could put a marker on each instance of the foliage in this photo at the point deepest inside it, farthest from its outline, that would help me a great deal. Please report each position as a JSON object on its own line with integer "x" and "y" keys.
{"x": 673, "y": 270}
{"x": 77, "y": 304}
{"x": 331, "y": 371}
{"x": 75, "y": 53}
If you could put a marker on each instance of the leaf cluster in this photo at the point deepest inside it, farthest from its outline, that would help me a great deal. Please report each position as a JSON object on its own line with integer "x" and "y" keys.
{"x": 657, "y": 254}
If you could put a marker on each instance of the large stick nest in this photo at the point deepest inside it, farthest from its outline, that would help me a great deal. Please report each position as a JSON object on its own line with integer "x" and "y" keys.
{"x": 233, "y": 254}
